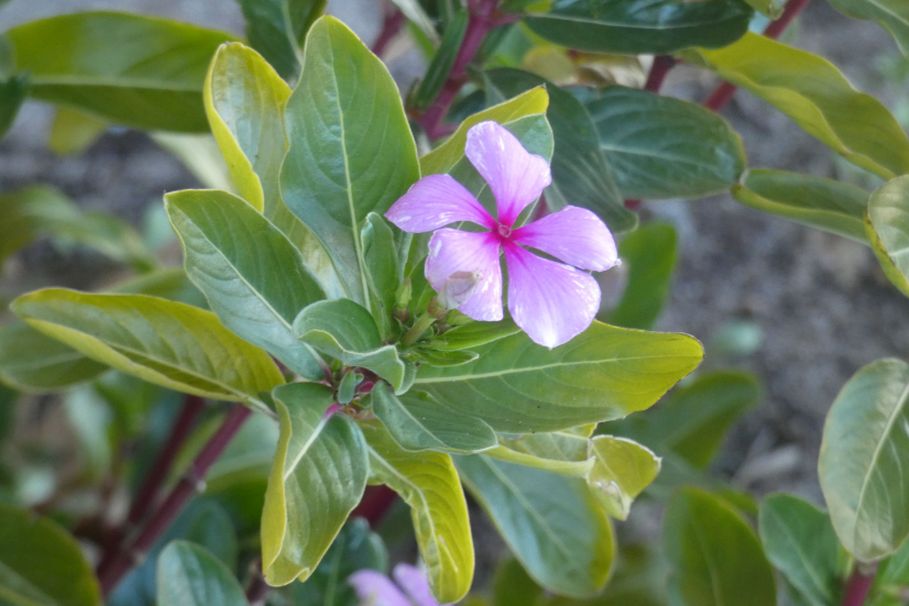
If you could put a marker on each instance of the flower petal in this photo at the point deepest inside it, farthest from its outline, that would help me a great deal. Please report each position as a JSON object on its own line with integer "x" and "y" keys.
{"x": 574, "y": 235}
{"x": 436, "y": 201}
{"x": 551, "y": 302}
{"x": 515, "y": 176}
{"x": 373, "y": 587}
{"x": 464, "y": 268}
{"x": 414, "y": 582}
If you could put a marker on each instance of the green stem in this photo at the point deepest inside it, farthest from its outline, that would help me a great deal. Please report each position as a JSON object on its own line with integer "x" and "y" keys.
{"x": 419, "y": 328}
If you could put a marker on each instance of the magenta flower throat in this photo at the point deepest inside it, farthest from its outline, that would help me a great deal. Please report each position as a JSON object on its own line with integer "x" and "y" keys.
{"x": 552, "y": 302}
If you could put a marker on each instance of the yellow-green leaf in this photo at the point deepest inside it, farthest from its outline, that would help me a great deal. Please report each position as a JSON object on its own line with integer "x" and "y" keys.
{"x": 429, "y": 484}
{"x": 815, "y": 94}
{"x": 163, "y": 342}
{"x": 887, "y": 226}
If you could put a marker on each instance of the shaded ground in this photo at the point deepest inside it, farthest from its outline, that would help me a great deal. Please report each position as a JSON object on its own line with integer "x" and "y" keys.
{"x": 823, "y": 305}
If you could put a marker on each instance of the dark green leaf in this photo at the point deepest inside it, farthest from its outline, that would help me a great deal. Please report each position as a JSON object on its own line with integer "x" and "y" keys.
{"x": 862, "y": 460}
{"x": 473, "y": 334}
{"x": 442, "y": 61}
{"x": 715, "y": 556}
{"x": 188, "y": 575}
{"x": 552, "y": 523}
{"x": 660, "y": 147}
{"x": 351, "y": 149}
{"x": 641, "y": 26}
{"x": 345, "y": 331}
{"x": 581, "y": 173}
{"x": 418, "y": 422}
{"x": 131, "y": 69}
{"x": 383, "y": 271}
{"x": 799, "y": 540}
{"x": 826, "y": 204}
{"x": 252, "y": 276}
{"x": 649, "y": 254}
{"x": 12, "y": 94}
{"x": 276, "y": 28}
{"x": 40, "y": 563}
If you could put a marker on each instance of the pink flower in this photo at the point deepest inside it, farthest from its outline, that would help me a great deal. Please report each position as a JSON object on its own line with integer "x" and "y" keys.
{"x": 375, "y": 589}
{"x": 552, "y": 302}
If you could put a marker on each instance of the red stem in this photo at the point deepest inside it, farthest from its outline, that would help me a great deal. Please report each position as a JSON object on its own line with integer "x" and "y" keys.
{"x": 480, "y": 22}
{"x": 151, "y": 486}
{"x": 859, "y": 585}
{"x": 724, "y": 92}
{"x": 391, "y": 26}
{"x": 375, "y": 504}
{"x": 191, "y": 482}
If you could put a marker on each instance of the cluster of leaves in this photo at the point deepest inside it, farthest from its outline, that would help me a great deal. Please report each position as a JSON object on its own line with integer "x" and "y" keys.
{"x": 303, "y": 301}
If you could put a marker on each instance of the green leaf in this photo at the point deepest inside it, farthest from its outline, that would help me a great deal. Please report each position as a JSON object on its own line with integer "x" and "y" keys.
{"x": 891, "y": 580}
{"x": 826, "y": 204}
{"x": 12, "y": 94}
{"x": 135, "y": 70}
{"x": 799, "y": 540}
{"x": 40, "y": 210}
{"x": 40, "y": 563}
{"x": 581, "y": 173}
{"x": 344, "y": 330}
{"x": 641, "y": 26}
{"x": 72, "y": 131}
{"x": 383, "y": 271}
{"x": 650, "y": 254}
{"x": 318, "y": 477}
{"x": 551, "y": 523}
{"x": 818, "y": 98}
{"x": 245, "y": 101}
{"x": 715, "y": 556}
{"x": 771, "y": 8}
{"x": 252, "y": 276}
{"x": 887, "y": 226}
{"x": 892, "y": 15}
{"x": 473, "y": 334}
{"x": 692, "y": 421}
{"x": 448, "y": 154}
{"x": 32, "y": 362}
{"x": 660, "y": 147}
{"x": 622, "y": 470}
{"x": 276, "y": 28}
{"x": 442, "y": 61}
{"x": 605, "y": 373}
{"x": 188, "y": 575}
{"x": 418, "y": 422}
{"x": 356, "y": 548}
{"x": 351, "y": 150}
{"x": 866, "y": 436}
{"x": 428, "y": 483}
{"x": 163, "y": 342}
{"x": 415, "y": 13}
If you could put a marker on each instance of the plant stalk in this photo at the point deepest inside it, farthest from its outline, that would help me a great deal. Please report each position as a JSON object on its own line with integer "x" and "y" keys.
{"x": 392, "y": 23}
{"x": 191, "y": 482}
{"x": 859, "y": 584}
{"x": 481, "y": 21}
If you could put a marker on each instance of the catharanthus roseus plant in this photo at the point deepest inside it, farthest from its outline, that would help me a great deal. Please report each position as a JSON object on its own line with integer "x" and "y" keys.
{"x": 398, "y": 298}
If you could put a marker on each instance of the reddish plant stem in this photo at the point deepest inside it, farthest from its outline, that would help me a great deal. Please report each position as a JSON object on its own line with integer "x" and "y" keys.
{"x": 723, "y": 93}
{"x": 391, "y": 26}
{"x": 375, "y": 504}
{"x": 482, "y": 19}
{"x": 859, "y": 585}
{"x": 151, "y": 486}
{"x": 191, "y": 482}
{"x": 257, "y": 588}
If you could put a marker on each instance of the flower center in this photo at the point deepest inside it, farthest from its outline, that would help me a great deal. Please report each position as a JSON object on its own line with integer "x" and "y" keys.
{"x": 503, "y": 230}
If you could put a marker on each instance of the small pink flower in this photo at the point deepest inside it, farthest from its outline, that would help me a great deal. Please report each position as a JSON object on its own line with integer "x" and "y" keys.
{"x": 375, "y": 589}
{"x": 552, "y": 302}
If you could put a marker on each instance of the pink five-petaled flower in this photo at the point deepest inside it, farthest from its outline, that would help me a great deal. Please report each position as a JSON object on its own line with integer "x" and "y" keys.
{"x": 552, "y": 302}
{"x": 375, "y": 589}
